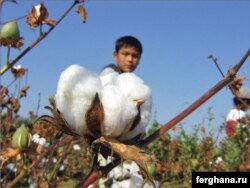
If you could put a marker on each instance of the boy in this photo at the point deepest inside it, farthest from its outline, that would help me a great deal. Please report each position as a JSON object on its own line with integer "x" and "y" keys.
{"x": 127, "y": 54}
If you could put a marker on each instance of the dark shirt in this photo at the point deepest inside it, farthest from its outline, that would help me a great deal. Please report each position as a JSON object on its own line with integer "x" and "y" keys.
{"x": 109, "y": 69}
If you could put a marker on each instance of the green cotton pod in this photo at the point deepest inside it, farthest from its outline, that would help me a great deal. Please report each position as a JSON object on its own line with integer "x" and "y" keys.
{"x": 151, "y": 168}
{"x": 10, "y": 31}
{"x": 21, "y": 137}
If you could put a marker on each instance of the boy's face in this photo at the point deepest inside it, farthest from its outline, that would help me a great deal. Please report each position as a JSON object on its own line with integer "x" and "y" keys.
{"x": 127, "y": 58}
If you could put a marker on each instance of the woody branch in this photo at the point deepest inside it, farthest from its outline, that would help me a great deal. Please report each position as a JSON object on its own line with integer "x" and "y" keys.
{"x": 98, "y": 173}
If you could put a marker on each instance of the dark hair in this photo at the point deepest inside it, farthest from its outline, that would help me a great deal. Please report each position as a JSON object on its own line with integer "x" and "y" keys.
{"x": 128, "y": 41}
{"x": 238, "y": 102}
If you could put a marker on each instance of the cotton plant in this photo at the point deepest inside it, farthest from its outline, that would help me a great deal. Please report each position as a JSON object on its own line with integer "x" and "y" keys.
{"x": 109, "y": 111}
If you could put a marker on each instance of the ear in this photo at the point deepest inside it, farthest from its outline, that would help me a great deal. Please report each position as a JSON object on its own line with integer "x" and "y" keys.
{"x": 115, "y": 55}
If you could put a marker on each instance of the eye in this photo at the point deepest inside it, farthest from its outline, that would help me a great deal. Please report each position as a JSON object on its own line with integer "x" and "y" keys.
{"x": 136, "y": 56}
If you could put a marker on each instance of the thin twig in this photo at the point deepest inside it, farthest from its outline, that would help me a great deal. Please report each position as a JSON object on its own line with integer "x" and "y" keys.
{"x": 24, "y": 172}
{"x": 40, "y": 38}
{"x": 61, "y": 158}
{"x": 15, "y": 19}
{"x": 234, "y": 92}
{"x": 214, "y": 59}
{"x": 38, "y": 104}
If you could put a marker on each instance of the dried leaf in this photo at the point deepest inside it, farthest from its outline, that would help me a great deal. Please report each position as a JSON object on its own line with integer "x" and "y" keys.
{"x": 3, "y": 96}
{"x": 23, "y": 91}
{"x": 236, "y": 84}
{"x": 82, "y": 12}
{"x": 4, "y": 91}
{"x": 52, "y": 101}
{"x": 15, "y": 105}
{"x": 10, "y": 152}
{"x": 129, "y": 152}
{"x": 44, "y": 129}
{"x": 95, "y": 118}
{"x": 44, "y": 184}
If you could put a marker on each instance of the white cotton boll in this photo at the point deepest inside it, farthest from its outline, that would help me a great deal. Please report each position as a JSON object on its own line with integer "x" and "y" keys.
{"x": 118, "y": 110}
{"x": 76, "y": 90}
{"x": 145, "y": 110}
{"x": 61, "y": 168}
{"x": 116, "y": 173}
{"x": 36, "y": 138}
{"x": 76, "y": 147}
{"x": 83, "y": 95}
{"x": 133, "y": 86}
{"x": 11, "y": 167}
{"x": 109, "y": 78}
{"x": 42, "y": 141}
{"x": 37, "y": 8}
{"x": 66, "y": 84}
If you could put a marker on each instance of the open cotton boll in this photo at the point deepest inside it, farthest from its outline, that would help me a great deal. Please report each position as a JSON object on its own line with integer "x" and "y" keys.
{"x": 118, "y": 109}
{"x": 83, "y": 94}
{"x": 145, "y": 110}
{"x": 75, "y": 92}
{"x": 109, "y": 78}
{"x": 133, "y": 86}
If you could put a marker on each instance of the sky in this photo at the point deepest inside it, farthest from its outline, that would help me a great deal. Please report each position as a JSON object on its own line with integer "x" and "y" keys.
{"x": 177, "y": 37}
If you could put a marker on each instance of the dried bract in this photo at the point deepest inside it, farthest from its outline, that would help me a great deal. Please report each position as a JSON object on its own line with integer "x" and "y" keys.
{"x": 38, "y": 16}
{"x": 95, "y": 118}
{"x": 82, "y": 12}
{"x": 17, "y": 71}
{"x": 11, "y": 43}
{"x": 57, "y": 122}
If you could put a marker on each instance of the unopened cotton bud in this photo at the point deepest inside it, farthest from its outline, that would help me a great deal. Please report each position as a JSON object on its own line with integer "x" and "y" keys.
{"x": 10, "y": 31}
{"x": 21, "y": 137}
{"x": 151, "y": 168}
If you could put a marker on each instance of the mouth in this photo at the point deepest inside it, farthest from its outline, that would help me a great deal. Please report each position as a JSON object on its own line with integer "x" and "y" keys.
{"x": 129, "y": 67}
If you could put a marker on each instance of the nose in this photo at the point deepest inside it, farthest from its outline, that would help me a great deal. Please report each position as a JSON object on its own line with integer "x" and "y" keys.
{"x": 130, "y": 58}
